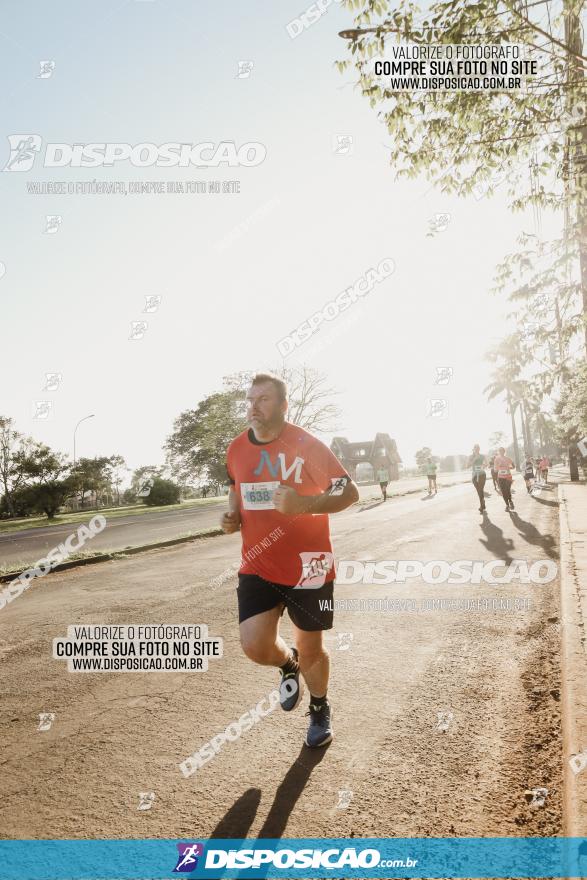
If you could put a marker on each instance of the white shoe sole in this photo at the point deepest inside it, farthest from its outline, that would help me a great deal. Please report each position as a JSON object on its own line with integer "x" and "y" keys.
{"x": 319, "y": 746}
{"x": 301, "y": 691}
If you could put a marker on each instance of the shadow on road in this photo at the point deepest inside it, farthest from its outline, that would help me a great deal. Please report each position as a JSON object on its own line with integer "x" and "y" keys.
{"x": 531, "y": 535}
{"x": 290, "y": 789}
{"x": 238, "y": 819}
{"x": 494, "y": 540}
{"x": 371, "y": 506}
{"x": 546, "y": 501}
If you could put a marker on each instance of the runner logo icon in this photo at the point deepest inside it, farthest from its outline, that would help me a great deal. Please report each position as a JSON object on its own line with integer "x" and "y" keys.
{"x": 187, "y": 860}
{"x": 23, "y": 149}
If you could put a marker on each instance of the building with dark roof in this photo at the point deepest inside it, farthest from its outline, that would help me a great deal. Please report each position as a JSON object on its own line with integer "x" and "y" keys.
{"x": 363, "y": 460}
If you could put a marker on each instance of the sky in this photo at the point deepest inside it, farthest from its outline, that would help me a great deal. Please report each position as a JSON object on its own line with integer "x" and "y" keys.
{"x": 236, "y": 271}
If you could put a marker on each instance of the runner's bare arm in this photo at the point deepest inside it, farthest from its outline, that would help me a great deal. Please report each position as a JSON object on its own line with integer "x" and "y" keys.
{"x": 231, "y": 521}
{"x": 288, "y": 502}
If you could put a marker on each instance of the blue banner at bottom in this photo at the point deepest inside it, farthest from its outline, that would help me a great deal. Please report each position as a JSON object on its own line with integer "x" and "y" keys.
{"x": 419, "y": 857}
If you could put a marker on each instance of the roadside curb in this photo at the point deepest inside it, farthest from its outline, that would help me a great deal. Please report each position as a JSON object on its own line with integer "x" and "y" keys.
{"x": 117, "y": 554}
{"x": 573, "y": 671}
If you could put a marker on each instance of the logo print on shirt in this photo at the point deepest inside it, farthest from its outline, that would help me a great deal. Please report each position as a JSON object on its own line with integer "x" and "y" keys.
{"x": 274, "y": 468}
{"x": 315, "y": 567}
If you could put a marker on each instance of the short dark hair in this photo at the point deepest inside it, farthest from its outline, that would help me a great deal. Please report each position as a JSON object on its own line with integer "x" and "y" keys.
{"x": 260, "y": 378}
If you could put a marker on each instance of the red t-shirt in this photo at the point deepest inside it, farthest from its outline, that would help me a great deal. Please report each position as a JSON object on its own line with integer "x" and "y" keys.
{"x": 502, "y": 465}
{"x": 286, "y": 550}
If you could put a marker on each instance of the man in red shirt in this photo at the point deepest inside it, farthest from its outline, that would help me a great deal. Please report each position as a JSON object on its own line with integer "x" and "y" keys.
{"x": 284, "y": 483}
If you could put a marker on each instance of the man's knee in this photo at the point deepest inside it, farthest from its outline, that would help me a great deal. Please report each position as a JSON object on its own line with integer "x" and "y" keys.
{"x": 310, "y": 655}
{"x": 256, "y": 650}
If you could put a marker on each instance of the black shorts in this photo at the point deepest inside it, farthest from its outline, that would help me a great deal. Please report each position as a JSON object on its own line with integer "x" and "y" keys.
{"x": 383, "y": 485}
{"x": 256, "y": 595}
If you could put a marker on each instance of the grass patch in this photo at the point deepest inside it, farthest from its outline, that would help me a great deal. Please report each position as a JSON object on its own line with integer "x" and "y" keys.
{"x": 14, "y": 569}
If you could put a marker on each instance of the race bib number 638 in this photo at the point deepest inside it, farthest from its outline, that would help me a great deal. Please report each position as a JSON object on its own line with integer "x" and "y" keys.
{"x": 258, "y": 496}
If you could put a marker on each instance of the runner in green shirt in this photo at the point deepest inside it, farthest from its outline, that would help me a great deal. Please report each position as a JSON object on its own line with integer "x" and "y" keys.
{"x": 478, "y": 464}
{"x": 431, "y": 473}
{"x": 383, "y": 477}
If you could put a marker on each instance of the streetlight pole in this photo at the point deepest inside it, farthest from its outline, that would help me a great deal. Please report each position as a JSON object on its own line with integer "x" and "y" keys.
{"x": 91, "y": 416}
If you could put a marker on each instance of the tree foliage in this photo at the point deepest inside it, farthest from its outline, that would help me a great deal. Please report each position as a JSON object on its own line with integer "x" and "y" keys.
{"x": 162, "y": 492}
{"x": 196, "y": 449}
{"x": 532, "y": 144}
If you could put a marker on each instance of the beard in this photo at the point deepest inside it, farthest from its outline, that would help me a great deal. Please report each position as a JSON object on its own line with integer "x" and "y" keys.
{"x": 269, "y": 423}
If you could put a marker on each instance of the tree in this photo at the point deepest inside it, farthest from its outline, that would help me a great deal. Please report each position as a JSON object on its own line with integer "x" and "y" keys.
{"x": 49, "y": 496}
{"x": 572, "y": 407}
{"x": 471, "y": 142}
{"x": 510, "y": 357}
{"x": 141, "y": 474}
{"x": 539, "y": 282}
{"x": 13, "y": 446}
{"x": 496, "y": 440}
{"x": 91, "y": 475}
{"x": 196, "y": 450}
{"x": 162, "y": 492}
{"x": 21, "y": 503}
{"x": 308, "y": 396}
{"x": 422, "y": 456}
{"x": 117, "y": 469}
{"x": 39, "y": 464}
{"x": 46, "y": 485}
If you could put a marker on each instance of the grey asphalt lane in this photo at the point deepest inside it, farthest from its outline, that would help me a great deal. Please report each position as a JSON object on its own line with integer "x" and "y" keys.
{"x": 446, "y": 719}
{"x": 29, "y": 545}
{"x": 120, "y": 532}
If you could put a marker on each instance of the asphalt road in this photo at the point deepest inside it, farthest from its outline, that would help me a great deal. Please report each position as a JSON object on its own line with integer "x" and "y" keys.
{"x": 18, "y": 549}
{"x": 125, "y": 531}
{"x": 493, "y": 675}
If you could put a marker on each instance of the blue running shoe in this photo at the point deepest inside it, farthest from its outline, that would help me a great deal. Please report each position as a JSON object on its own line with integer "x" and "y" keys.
{"x": 320, "y": 731}
{"x": 291, "y": 689}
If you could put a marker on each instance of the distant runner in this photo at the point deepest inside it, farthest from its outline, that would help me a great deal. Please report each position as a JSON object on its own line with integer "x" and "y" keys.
{"x": 543, "y": 466}
{"x": 284, "y": 483}
{"x": 383, "y": 477}
{"x": 493, "y": 472}
{"x": 504, "y": 466}
{"x": 529, "y": 474}
{"x": 431, "y": 473}
{"x": 477, "y": 464}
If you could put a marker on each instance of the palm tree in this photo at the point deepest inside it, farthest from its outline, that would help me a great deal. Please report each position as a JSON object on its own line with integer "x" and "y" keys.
{"x": 510, "y": 359}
